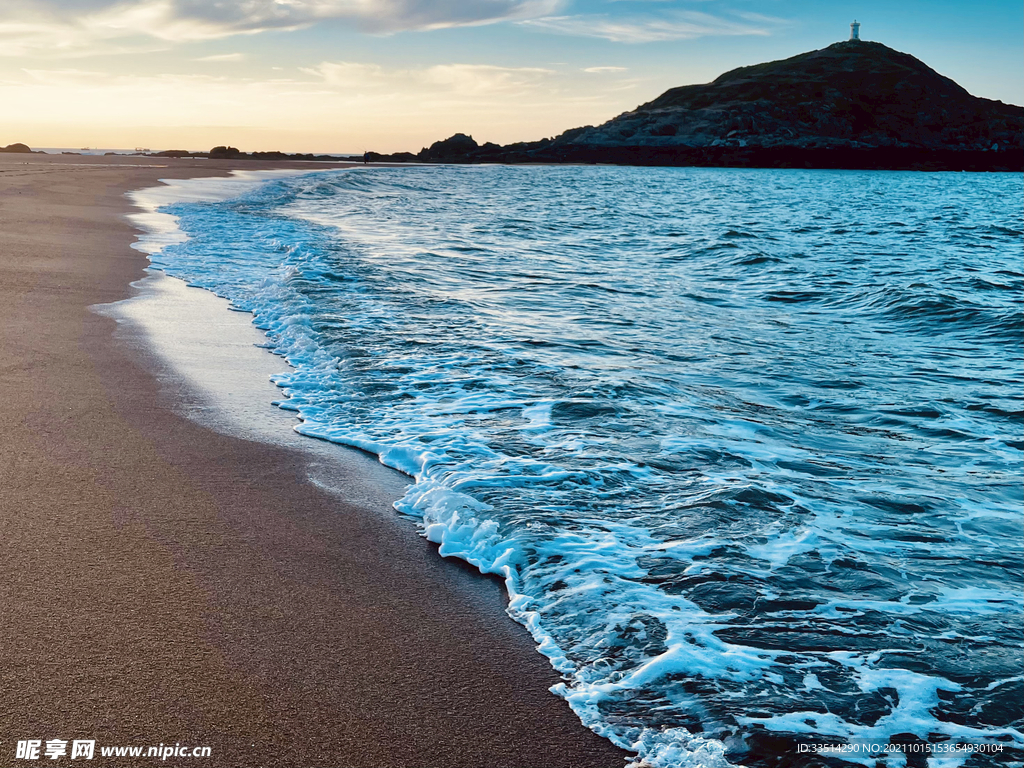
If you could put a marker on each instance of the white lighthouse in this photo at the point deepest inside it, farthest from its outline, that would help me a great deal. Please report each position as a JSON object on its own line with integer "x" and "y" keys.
{"x": 855, "y": 30}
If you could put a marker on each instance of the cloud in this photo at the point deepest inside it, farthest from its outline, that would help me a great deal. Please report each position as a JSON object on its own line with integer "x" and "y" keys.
{"x": 37, "y": 29}
{"x": 476, "y": 78}
{"x": 55, "y": 38}
{"x": 761, "y": 18}
{"x": 678, "y": 25}
{"x": 460, "y": 79}
{"x": 603, "y": 70}
{"x": 222, "y": 57}
{"x": 348, "y": 74}
{"x": 84, "y": 27}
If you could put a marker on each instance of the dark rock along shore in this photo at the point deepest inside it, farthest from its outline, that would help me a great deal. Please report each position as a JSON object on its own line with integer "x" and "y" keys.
{"x": 854, "y": 104}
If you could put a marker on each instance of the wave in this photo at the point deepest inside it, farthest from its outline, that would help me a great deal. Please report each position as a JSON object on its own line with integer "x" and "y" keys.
{"x": 732, "y": 523}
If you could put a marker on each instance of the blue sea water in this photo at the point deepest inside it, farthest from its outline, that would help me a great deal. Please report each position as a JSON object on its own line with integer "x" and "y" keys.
{"x": 746, "y": 445}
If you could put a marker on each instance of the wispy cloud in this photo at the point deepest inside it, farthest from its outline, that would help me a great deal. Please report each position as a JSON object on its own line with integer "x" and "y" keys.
{"x": 475, "y": 78}
{"x": 58, "y": 38}
{"x": 462, "y": 79}
{"x": 761, "y": 18}
{"x": 677, "y": 25}
{"x": 96, "y": 26}
{"x": 603, "y": 70}
{"x": 227, "y": 57}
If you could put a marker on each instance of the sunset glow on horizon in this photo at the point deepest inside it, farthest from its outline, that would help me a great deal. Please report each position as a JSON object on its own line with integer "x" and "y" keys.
{"x": 395, "y": 75}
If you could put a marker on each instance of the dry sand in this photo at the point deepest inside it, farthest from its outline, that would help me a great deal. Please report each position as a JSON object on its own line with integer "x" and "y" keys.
{"x": 162, "y": 582}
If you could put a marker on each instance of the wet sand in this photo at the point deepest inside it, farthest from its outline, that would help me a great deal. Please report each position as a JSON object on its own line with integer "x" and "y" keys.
{"x": 165, "y": 582}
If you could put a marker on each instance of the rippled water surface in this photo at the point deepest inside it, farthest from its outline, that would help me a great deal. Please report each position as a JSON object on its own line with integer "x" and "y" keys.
{"x": 746, "y": 445}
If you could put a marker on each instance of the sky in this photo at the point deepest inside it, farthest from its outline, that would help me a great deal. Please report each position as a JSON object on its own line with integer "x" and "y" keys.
{"x": 395, "y": 75}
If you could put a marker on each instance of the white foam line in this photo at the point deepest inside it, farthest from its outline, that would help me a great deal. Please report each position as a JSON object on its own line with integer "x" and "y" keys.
{"x": 212, "y": 361}
{"x": 161, "y": 229}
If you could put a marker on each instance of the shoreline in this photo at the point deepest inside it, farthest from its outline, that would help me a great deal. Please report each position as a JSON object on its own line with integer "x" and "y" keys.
{"x": 170, "y": 583}
{"x": 732, "y": 156}
{"x": 214, "y": 372}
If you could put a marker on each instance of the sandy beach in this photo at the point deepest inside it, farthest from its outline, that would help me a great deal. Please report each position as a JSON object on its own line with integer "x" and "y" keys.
{"x": 166, "y": 583}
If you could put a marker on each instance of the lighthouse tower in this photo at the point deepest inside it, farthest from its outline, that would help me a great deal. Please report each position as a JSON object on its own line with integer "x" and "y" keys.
{"x": 855, "y": 30}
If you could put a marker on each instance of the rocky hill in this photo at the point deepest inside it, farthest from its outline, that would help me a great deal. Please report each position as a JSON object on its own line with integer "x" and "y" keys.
{"x": 852, "y": 104}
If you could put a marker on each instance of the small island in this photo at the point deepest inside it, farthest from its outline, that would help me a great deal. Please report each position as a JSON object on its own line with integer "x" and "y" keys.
{"x": 17, "y": 149}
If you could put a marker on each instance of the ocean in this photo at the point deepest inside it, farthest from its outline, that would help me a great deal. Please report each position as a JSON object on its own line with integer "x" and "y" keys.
{"x": 745, "y": 445}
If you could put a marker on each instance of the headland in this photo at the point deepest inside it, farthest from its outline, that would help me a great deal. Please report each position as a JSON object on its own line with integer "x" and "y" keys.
{"x": 854, "y": 105}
